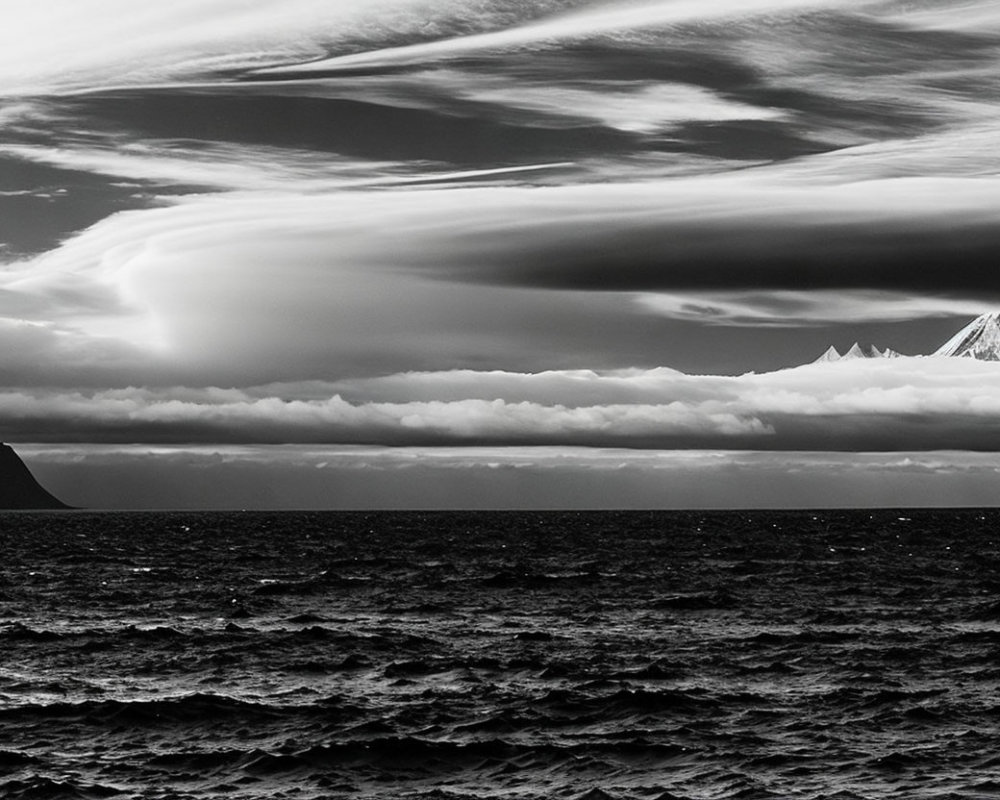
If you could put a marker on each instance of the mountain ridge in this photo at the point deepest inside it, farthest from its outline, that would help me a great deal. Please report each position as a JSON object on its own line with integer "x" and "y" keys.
{"x": 19, "y": 490}
{"x": 980, "y": 339}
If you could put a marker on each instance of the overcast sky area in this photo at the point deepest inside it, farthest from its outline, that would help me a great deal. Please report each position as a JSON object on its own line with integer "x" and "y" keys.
{"x": 499, "y": 253}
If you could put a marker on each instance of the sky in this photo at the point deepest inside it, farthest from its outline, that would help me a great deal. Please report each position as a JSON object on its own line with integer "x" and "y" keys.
{"x": 499, "y": 253}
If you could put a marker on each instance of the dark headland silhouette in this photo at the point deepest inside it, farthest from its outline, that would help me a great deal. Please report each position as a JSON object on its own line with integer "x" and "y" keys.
{"x": 18, "y": 488}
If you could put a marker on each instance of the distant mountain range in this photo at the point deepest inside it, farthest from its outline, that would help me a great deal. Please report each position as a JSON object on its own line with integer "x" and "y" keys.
{"x": 856, "y": 351}
{"x": 980, "y": 339}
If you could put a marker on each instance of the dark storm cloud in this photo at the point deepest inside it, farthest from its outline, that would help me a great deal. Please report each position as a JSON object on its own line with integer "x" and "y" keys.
{"x": 948, "y": 254}
{"x": 923, "y": 236}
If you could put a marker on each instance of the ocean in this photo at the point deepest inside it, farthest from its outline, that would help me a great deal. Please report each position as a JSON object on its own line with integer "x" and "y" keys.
{"x": 642, "y": 655}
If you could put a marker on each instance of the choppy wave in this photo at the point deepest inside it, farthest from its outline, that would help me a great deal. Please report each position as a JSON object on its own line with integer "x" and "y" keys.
{"x": 456, "y": 655}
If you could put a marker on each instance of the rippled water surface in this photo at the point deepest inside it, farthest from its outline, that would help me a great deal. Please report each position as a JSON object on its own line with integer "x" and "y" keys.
{"x": 513, "y": 655}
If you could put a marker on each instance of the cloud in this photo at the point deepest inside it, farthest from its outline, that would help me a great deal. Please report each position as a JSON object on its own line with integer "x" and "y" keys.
{"x": 124, "y": 415}
{"x": 51, "y": 354}
{"x": 922, "y": 403}
{"x": 963, "y": 151}
{"x": 210, "y": 165}
{"x": 168, "y": 222}
{"x": 170, "y": 165}
{"x": 910, "y": 235}
{"x": 634, "y": 106}
{"x": 108, "y": 42}
{"x": 257, "y": 286}
{"x": 795, "y": 309}
{"x": 975, "y": 16}
{"x": 726, "y": 232}
{"x": 598, "y": 19}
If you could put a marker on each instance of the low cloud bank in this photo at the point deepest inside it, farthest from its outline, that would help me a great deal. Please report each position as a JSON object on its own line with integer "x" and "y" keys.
{"x": 924, "y": 403}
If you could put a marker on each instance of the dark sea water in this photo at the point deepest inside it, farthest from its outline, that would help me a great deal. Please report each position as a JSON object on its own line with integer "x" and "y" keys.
{"x": 841, "y": 654}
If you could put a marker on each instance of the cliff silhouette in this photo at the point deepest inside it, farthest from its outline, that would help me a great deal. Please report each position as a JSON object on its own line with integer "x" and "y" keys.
{"x": 18, "y": 488}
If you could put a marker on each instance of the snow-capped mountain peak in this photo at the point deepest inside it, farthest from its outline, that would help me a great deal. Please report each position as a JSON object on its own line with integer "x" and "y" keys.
{"x": 979, "y": 339}
{"x": 831, "y": 354}
{"x": 856, "y": 351}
